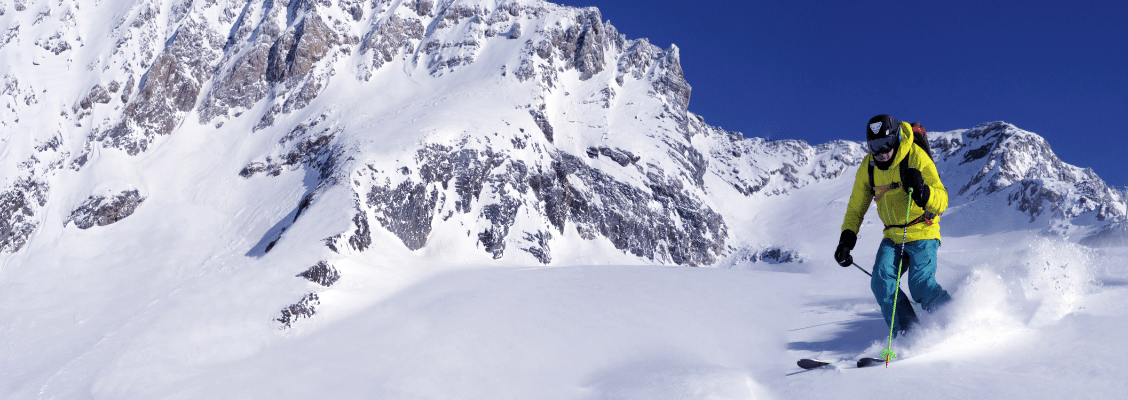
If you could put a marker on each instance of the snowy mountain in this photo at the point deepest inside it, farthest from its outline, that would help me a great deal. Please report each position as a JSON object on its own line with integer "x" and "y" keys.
{"x": 294, "y": 72}
{"x": 185, "y": 183}
{"x": 996, "y": 162}
{"x": 573, "y": 123}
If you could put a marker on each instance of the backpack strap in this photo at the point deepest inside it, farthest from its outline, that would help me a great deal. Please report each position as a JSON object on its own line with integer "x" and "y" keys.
{"x": 904, "y": 167}
{"x": 926, "y": 218}
{"x": 871, "y": 172}
{"x": 880, "y": 191}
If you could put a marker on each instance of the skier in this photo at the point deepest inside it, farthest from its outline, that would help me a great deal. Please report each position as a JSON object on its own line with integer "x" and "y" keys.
{"x": 894, "y": 166}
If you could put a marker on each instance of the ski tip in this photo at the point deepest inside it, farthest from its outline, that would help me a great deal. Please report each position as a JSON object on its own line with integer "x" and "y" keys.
{"x": 808, "y": 363}
{"x": 869, "y": 362}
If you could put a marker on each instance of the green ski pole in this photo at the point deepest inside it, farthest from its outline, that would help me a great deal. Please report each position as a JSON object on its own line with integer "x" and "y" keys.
{"x": 888, "y": 353}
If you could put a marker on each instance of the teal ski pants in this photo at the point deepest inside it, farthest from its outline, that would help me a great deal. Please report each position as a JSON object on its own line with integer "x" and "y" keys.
{"x": 920, "y": 272}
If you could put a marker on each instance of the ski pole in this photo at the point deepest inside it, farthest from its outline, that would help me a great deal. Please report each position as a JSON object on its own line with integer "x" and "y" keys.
{"x": 888, "y": 353}
{"x": 863, "y": 270}
{"x": 900, "y": 293}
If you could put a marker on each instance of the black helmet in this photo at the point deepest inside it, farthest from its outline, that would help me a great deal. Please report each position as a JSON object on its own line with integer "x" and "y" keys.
{"x": 882, "y": 134}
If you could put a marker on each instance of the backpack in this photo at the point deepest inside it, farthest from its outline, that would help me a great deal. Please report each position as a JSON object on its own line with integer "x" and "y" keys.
{"x": 920, "y": 138}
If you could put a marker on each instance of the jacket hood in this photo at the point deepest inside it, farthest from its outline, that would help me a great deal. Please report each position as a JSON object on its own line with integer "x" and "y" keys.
{"x": 906, "y": 144}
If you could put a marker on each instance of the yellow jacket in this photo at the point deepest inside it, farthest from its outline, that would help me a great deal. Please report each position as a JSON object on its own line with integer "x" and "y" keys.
{"x": 892, "y": 204}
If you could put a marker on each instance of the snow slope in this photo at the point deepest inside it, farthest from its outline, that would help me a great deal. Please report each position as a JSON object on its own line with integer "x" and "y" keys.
{"x": 1039, "y": 325}
{"x": 483, "y": 199}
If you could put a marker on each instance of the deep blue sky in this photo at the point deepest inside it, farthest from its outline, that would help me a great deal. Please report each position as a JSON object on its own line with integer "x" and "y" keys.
{"x": 818, "y": 70}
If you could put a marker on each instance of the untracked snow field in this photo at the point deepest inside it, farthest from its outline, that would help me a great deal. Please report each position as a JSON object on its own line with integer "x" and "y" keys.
{"x": 1032, "y": 318}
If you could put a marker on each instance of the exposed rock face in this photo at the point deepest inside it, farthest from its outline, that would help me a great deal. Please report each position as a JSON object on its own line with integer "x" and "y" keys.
{"x": 17, "y": 207}
{"x": 659, "y": 221}
{"x": 670, "y": 79}
{"x": 658, "y": 214}
{"x": 266, "y": 60}
{"x": 389, "y": 39}
{"x": 322, "y": 274}
{"x": 98, "y": 94}
{"x": 306, "y": 145}
{"x": 292, "y": 56}
{"x": 542, "y": 122}
{"x": 96, "y": 210}
{"x": 584, "y": 41}
{"x": 358, "y": 240}
{"x": 408, "y": 208}
{"x": 168, "y": 90}
{"x": 241, "y": 87}
{"x": 125, "y": 94}
{"x": 405, "y": 210}
{"x": 354, "y": 8}
{"x": 664, "y": 222}
{"x": 620, "y": 156}
{"x": 767, "y": 254}
{"x": 304, "y": 308}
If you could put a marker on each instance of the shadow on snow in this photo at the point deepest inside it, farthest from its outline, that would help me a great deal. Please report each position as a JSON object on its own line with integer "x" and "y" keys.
{"x": 853, "y": 336}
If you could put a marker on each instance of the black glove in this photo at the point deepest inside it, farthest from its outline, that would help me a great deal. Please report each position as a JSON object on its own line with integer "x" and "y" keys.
{"x": 846, "y": 243}
{"x": 913, "y": 180}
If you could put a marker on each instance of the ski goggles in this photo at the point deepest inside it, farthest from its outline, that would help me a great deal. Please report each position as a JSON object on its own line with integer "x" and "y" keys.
{"x": 882, "y": 145}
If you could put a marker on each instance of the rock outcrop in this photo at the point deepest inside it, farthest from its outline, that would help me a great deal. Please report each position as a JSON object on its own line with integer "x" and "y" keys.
{"x": 322, "y": 274}
{"x": 169, "y": 89}
{"x": 101, "y": 210}
{"x": 304, "y": 308}
{"x": 998, "y": 162}
{"x": 17, "y": 209}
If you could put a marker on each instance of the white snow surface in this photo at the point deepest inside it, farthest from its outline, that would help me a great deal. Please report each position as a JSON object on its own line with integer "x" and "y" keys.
{"x": 179, "y": 301}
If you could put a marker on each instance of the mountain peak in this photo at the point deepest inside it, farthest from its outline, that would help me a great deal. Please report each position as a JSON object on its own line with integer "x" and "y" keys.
{"x": 998, "y": 160}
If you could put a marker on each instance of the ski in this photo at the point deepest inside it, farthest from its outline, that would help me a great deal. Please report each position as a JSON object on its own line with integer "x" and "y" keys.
{"x": 808, "y": 363}
{"x": 863, "y": 362}
{"x": 869, "y": 362}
